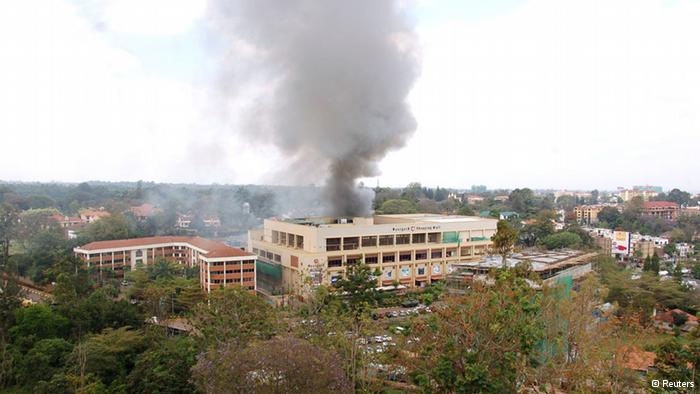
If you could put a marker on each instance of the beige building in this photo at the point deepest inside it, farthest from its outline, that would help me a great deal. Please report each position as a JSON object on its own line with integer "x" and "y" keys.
{"x": 587, "y": 214}
{"x": 410, "y": 250}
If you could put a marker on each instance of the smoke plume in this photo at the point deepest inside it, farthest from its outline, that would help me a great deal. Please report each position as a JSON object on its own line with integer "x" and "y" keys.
{"x": 332, "y": 79}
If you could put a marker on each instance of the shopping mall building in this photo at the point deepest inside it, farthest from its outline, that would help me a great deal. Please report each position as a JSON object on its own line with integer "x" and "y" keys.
{"x": 409, "y": 250}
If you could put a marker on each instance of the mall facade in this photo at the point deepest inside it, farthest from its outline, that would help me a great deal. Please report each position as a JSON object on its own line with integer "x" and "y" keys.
{"x": 409, "y": 250}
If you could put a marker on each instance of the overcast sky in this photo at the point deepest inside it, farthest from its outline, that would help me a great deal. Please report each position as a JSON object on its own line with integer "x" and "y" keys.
{"x": 541, "y": 93}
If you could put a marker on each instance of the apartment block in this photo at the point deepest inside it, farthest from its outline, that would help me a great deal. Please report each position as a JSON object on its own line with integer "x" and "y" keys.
{"x": 219, "y": 265}
{"x": 663, "y": 209}
{"x": 409, "y": 250}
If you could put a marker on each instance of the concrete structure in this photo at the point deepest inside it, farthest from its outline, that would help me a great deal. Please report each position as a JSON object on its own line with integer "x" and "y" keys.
{"x": 549, "y": 266}
{"x": 410, "y": 250}
{"x": 663, "y": 209}
{"x": 587, "y": 214}
{"x": 219, "y": 265}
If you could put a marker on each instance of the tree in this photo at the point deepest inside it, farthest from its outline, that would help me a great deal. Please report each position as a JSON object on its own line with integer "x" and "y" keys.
{"x": 162, "y": 269}
{"x": 395, "y": 206}
{"x": 523, "y": 201}
{"x": 107, "y": 228}
{"x": 44, "y": 359}
{"x": 234, "y": 315}
{"x": 108, "y": 355}
{"x": 359, "y": 293}
{"x": 280, "y": 365}
{"x": 8, "y": 225}
{"x": 484, "y": 341}
{"x": 562, "y": 240}
{"x": 165, "y": 368}
{"x": 610, "y": 216}
{"x": 542, "y": 227}
{"x": 35, "y": 323}
{"x": 504, "y": 239}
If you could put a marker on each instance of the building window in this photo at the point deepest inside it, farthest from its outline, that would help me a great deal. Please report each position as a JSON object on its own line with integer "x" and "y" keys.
{"x": 436, "y": 254}
{"x": 300, "y": 242}
{"x": 350, "y": 243}
{"x": 335, "y": 262}
{"x": 371, "y": 259}
{"x": 404, "y": 256}
{"x": 283, "y": 238}
{"x": 421, "y": 271}
{"x": 368, "y": 242}
{"x": 386, "y": 240}
{"x": 270, "y": 255}
{"x": 275, "y": 236}
{"x": 350, "y": 260}
{"x": 332, "y": 244}
{"x": 434, "y": 238}
{"x": 421, "y": 254}
{"x": 465, "y": 251}
{"x": 388, "y": 258}
{"x": 403, "y": 239}
{"x": 418, "y": 238}
{"x": 452, "y": 252}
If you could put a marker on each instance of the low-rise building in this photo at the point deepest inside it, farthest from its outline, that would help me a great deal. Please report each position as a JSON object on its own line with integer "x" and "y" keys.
{"x": 219, "y": 265}
{"x": 144, "y": 211}
{"x": 409, "y": 250}
{"x": 666, "y": 321}
{"x": 662, "y": 209}
{"x": 91, "y": 215}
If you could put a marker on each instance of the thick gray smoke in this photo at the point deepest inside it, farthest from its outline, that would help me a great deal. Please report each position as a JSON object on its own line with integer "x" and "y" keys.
{"x": 334, "y": 75}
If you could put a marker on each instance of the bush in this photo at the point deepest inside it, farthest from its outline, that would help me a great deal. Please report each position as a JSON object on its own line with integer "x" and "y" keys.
{"x": 561, "y": 240}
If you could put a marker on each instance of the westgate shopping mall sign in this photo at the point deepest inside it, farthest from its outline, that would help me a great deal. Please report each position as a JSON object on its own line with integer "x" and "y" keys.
{"x": 424, "y": 227}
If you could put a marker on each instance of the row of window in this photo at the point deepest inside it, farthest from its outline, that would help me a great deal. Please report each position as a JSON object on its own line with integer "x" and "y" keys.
{"x": 268, "y": 255}
{"x": 220, "y": 263}
{"x": 230, "y": 280}
{"x": 288, "y": 239}
{"x": 229, "y": 272}
{"x": 337, "y": 261}
{"x": 350, "y": 243}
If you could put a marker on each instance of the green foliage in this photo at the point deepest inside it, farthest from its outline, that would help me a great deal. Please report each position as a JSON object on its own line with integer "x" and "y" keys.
{"x": 397, "y": 206}
{"x": 43, "y": 360}
{"x": 505, "y": 238}
{"x": 562, "y": 240}
{"x": 484, "y": 341}
{"x": 358, "y": 288}
{"x": 234, "y": 315}
{"x": 107, "y": 228}
{"x": 35, "y": 323}
{"x": 164, "y": 368}
{"x": 109, "y": 355}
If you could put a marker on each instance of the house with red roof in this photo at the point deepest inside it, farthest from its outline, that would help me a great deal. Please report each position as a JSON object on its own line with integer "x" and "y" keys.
{"x": 666, "y": 321}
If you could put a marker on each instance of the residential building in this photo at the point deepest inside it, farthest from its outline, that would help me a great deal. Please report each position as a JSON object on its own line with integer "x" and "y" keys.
{"x": 144, "y": 211}
{"x": 635, "y": 359}
{"x": 184, "y": 221}
{"x": 219, "y": 265}
{"x": 501, "y": 198}
{"x": 587, "y": 214}
{"x": 662, "y": 209}
{"x": 67, "y": 221}
{"x": 409, "y": 250}
{"x": 91, "y": 215}
{"x": 666, "y": 321}
{"x": 644, "y": 193}
{"x": 474, "y": 199}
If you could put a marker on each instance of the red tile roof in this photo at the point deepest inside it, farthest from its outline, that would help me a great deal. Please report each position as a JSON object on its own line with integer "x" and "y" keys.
{"x": 145, "y": 210}
{"x": 668, "y": 316}
{"x": 659, "y": 204}
{"x": 631, "y": 357}
{"x": 212, "y": 248}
